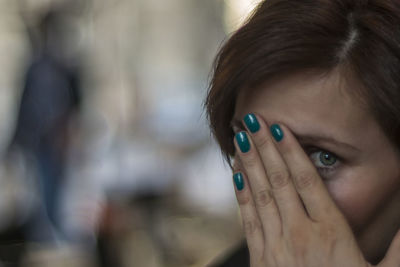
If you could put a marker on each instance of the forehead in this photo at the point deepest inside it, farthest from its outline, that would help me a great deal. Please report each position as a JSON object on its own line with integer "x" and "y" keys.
{"x": 308, "y": 102}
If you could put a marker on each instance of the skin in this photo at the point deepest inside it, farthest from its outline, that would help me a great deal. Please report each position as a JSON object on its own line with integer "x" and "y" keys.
{"x": 363, "y": 184}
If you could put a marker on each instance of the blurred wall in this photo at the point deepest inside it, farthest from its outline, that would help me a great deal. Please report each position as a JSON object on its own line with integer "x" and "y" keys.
{"x": 145, "y": 69}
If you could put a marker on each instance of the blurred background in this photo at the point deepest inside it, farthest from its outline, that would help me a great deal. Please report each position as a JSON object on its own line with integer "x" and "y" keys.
{"x": 106, "y": 155}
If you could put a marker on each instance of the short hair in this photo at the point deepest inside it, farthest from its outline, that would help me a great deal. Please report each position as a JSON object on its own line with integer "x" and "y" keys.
{"x": 286, "y": 36}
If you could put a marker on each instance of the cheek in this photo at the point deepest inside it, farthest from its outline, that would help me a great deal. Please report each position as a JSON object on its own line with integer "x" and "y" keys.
{"x": 360, "y": 194}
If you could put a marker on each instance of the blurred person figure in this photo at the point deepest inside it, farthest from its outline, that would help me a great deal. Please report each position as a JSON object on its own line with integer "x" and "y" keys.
{"x": 50, "y": 103}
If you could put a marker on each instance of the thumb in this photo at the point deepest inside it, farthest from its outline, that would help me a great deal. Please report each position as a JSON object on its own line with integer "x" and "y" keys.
{"x": 392, "y": 257}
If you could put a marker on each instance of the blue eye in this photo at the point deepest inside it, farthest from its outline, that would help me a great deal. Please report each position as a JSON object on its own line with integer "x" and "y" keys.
{"x": 323, "y": 159}
{"x": 328, "y": 164}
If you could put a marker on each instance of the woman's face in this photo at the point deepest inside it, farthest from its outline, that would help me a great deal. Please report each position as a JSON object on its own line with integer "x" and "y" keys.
{"x": 359, "y": 165}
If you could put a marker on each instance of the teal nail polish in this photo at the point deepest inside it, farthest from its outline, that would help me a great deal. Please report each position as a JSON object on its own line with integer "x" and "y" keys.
{"x": 276, "y": 132}
{"x": 243, "y": 142}
{"x": 239, "y": 182}
{"x": 251, "y": 122}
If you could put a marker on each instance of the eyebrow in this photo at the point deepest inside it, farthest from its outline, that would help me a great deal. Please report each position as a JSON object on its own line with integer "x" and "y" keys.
{"x": 309, "y": 138}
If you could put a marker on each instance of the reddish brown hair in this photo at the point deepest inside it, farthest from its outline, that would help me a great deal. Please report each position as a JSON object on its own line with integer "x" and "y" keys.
{"x": 285, "y": 36}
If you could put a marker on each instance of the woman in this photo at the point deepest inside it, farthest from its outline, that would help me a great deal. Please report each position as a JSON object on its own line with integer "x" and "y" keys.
{"x": 305, "y": 101}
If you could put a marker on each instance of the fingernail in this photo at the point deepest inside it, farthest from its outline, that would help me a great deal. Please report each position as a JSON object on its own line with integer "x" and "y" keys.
{"x": 251, "y": 122}
{"x": 276, "y": 132}
{"x": 239, "y": 182}
{"x": 243, "y": 142}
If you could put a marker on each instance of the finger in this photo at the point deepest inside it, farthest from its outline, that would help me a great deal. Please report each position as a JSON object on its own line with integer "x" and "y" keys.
{"x": 308, "y": 183}
{"x": 252, "y": 165}
{"x": 287, "y": 200}
{"x": 265, "y": 207}
{"x": 251, "y": 223}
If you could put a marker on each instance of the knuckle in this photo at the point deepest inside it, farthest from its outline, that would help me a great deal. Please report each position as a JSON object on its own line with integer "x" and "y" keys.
{"x": 329, "y": 236}
{"x": 251, "y": 159}
{"x": 263, "y": 142}
{"x": 297, "y": 239}
{"x": 329, "y": 233}
{"x": 278, "y": 179}
{"x": 263, "y": 198}
{"x": 275, "y": 255}
{"x": 296, "y": 232}
{"x": 244, "y": 200}
{"x": 251, "y": 227}
{"x": 304, "y": 180}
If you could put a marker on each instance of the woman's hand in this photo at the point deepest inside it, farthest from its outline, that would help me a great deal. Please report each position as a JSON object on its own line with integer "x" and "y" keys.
{"x": 288, "y": 215}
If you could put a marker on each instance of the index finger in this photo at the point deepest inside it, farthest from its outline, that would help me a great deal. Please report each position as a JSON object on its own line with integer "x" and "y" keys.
{"x": 307, "y": 180}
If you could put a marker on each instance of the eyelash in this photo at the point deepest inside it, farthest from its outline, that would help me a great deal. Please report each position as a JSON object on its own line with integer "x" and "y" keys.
{"x": 323, "y": 170}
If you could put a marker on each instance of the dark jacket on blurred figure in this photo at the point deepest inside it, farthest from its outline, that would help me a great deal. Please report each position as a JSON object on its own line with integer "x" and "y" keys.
{"x": 50, "y": 98}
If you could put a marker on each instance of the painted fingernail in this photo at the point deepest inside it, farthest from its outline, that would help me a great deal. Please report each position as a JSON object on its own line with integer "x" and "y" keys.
{"x": 252, "y": 122}
{"x": 239, "y": 182}
{"x": 243, "y": 142}
{"x": 276, "y": 132}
